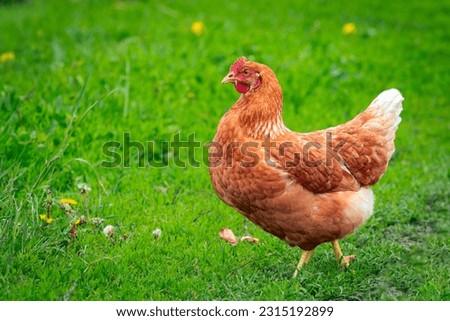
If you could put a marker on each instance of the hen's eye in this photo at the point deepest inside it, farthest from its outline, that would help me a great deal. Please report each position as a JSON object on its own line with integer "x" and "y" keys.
{"x": 246, "y": 72}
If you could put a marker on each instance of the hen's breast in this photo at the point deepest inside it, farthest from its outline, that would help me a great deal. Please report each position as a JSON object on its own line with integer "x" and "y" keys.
{"x": 245, "y": 188}
{"x": 239, "y": 171}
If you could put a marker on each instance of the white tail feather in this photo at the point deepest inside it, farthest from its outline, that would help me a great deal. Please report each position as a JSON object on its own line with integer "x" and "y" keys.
{"x": 389, "y": 107}
{"x": 390, "y": 101}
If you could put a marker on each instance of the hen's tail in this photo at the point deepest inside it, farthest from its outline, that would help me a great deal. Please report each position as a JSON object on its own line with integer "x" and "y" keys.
{"x": 387, "y": 107}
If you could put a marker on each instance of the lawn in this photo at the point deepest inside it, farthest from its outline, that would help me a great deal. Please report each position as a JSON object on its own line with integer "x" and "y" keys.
{"x": 80, "y": 77}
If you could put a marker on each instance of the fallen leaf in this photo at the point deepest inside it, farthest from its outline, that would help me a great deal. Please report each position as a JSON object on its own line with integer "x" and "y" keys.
{"x": 228, "y": 235}
{"x": 250, "y": 239}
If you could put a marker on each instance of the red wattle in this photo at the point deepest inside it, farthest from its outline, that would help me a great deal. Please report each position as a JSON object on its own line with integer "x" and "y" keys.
{"x": 241, "y": 88}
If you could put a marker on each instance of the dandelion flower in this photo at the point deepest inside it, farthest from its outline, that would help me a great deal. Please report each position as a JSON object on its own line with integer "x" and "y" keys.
{"x": 84, "y": 188}
{"x": 7, "y": 56}
{"x": 197, "y": 28}
{"x": 46, "y": 219}
{"x": 157, "y": 233}
{"x": 109, "y": 230}
{"x": 68, "y": 201}
{"x": 349, "y": 28}
{"x": 97, "y": 220}
{"x": 80, "y": 220}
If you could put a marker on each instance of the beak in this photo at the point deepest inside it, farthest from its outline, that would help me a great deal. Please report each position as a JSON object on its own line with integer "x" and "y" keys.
{"x": 229, "y": 78}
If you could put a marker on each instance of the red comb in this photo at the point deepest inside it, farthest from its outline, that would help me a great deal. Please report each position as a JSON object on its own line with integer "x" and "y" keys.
{"x": 238, "y": 64}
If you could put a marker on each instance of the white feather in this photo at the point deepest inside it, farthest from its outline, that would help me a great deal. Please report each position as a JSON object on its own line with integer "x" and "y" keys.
{"x": 389, "y": 101}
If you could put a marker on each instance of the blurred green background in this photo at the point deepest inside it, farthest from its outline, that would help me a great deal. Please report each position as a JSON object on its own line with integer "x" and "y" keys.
{"x": 75, "y": 75}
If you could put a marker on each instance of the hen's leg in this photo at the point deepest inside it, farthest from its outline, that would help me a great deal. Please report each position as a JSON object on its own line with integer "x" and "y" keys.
{"x": 340, "y": 258}
{"x": 304, "y": 259}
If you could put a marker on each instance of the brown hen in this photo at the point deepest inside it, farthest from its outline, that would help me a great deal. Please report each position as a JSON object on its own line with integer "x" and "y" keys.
{"x": 304, "y": 188}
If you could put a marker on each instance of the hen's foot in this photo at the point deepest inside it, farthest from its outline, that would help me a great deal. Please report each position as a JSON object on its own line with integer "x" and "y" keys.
{"x": 343, "y": 260}
{"x": 304, "y": 259}
{"x": 346, "y": 259}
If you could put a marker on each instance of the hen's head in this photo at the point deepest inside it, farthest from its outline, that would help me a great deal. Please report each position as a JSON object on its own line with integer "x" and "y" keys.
{"x": 244, "y": 74}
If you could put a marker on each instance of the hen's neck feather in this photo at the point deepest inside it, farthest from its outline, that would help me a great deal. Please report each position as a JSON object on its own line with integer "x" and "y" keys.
{"x": 260, "y": 111}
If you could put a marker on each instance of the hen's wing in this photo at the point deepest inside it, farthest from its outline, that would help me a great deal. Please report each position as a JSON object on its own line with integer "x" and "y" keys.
{"x": 346, "y": 157}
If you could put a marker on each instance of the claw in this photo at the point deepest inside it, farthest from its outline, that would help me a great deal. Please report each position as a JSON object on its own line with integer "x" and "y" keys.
{"x": 342, "y": 260}
{"x": 345, "y": 260}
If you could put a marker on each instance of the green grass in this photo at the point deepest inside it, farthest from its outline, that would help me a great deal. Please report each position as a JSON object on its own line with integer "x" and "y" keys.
{"x": 150, "y": 76}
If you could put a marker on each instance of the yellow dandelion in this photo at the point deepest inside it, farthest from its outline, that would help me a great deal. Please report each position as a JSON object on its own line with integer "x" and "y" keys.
{"x": 46, "y": 219}
{"x": 68, "y": 201}
{"x": 80, "y": 220}
{"x": 349, "y": 28}
{"x": 197, "y": 28}
{"x": 7, "y": 56}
